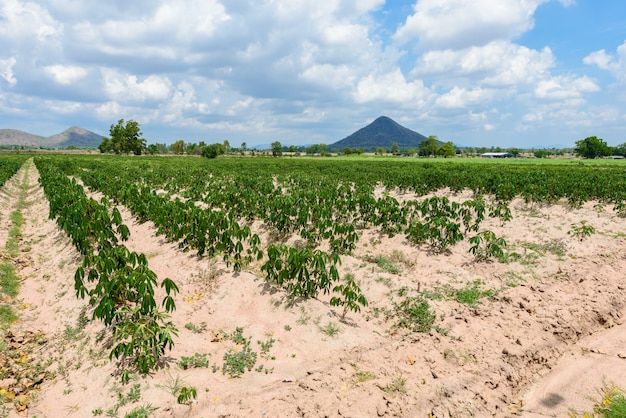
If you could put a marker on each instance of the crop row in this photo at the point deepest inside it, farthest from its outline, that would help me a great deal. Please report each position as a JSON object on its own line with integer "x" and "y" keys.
{"x": 118, "y": 282}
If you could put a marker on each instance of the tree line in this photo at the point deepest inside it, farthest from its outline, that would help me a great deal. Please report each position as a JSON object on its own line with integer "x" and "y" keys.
{"x": 125, "y": 137}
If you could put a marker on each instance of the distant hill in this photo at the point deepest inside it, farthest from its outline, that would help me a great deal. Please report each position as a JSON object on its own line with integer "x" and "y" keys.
{"x": 383, "y": 132}
{"x": 71, "y": 137}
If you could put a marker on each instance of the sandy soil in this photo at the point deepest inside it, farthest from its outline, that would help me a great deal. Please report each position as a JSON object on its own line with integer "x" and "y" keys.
{"x": 552, "y": 334}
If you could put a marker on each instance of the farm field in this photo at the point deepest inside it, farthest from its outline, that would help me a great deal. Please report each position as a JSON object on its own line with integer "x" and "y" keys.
{"x": 310, "y": 287}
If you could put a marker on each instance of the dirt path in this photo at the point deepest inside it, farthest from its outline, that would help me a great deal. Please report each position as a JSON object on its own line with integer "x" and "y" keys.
{"x": 544, "y": 308}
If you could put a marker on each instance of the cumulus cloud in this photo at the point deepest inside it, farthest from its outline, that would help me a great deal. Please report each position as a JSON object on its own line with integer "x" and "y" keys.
{"x": 460, "y": 98}
{"x": 392, "y": 87}
{"x": 498, "y": 63}
{"x": 65, "y": 74}
{"x": 276, "y": 67}
{"x": 458, "y": 24}
{"x": 123, "y": 87}
{"x": 6, "y": 70}
{"x": 563, "y": 88}
{"x": 615, "y": 64}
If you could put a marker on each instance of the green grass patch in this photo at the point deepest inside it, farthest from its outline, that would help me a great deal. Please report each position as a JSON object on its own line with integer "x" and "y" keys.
{"x": 9, "y": 282}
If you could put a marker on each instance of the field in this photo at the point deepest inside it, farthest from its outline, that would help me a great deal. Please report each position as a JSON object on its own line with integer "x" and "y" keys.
{"x": 310, "y": 287}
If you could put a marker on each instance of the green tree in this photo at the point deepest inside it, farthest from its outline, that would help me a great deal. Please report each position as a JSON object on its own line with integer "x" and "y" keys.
{"x": 226, "y": 146}
{"x": 277, "y": 149}
{"x": 178, "y": 147}
{"x": 411, "y": 152}
{"x": 381, "y": 150}
{"x": 429, "y": 146}
{"x": 514, "y": 151}
{"x": 213, "y": 150}
{"x": 395, "y": 149}
{"x": 591, "y": 147}
{"x": 447, "y": 150}
{"x": 125, "y": 137}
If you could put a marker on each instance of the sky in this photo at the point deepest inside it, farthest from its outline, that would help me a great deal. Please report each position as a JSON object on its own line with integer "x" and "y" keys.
{"x": 507, "y": 73}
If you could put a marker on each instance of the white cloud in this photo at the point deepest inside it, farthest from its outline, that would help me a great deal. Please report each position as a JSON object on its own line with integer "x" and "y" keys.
{"x": 6, "y": 70}
{"x": 615, "y": 64}
{"x": 65, "y": 74}
{"x": 23, "y": 20}
{"x": 562, "y": 88}
{"x": 457, "y": 24}
{"x": 498, "y": 63}
{"x": 123, "y": 87}
{"x": 460, "y": 98}
{"x": 392, "y": 87}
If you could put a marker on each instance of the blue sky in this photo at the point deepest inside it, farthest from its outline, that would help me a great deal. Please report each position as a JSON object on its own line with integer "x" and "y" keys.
{"x": 523, "y": 73}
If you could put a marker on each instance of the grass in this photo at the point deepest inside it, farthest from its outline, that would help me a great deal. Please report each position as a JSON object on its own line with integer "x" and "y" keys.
{"x": 331, "y": 329}
{"x": 9, "y": 281}
{"x": 396, "y": 386}
{"x": 468, "y": 295}
{"x": 385, "y": 264}
{"x": 611, "y": 405}
{"x": 411, "y": 312}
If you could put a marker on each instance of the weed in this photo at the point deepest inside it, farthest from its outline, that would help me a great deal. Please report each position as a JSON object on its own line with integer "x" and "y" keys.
{"x": 385, "y": 264}
{"x": 396, "y": 386}
{"x": 331, "y": 329}
{"x": 468, "y": 295}
{"x": 613, "y": 403}
{"x": 361, "y": 376}
{"x": 237, "y": 362}
{"x": 143, "y": 411}
{"x": 173, "y": 385}
{"x": 412, "y": 312}
{"x": 195, "y": 361}
{"x": 196, "y": 329}
{"x": 287, "y": 327}
{"x": 266, "y": 346}
{"x": 304, "y": 317}
{"x": 237, "y": 336}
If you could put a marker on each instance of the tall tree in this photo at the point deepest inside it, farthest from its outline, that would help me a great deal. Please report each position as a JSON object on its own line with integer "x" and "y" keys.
{"x": 429, "y": 146}
{"x": 125, "y": 137}
{"x": 277, "y": 149}
{"x": 591, "y": 147}
{"x": 178, "y": 147}
{"x": 447, "y": 150}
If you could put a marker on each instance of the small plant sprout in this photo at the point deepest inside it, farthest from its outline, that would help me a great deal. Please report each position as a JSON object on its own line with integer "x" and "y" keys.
{"x": 581, "y": 231}
{"x": 187, "y": 393}
{"x": 351, "y": 296}
{"x": 485, "y": 245}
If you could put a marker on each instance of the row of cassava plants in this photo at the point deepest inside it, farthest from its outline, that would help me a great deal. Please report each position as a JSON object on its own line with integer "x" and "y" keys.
{"x": 118, "y": 282}
{"x": 212, "y": 207}
{"x": 575, "y": 182}
{"x": 319, "y": 211}
{"x": 218, "y": 233}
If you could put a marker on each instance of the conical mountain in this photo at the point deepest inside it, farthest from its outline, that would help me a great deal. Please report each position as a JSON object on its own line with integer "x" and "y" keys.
{"x": 383, "y": 132}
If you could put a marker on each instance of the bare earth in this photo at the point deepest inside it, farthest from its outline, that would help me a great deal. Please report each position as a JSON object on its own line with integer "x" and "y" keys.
{"x": 544, "y": 345}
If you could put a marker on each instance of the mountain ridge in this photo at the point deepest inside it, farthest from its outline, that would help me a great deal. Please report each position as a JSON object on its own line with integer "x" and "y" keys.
{"x": 73, "y": 136}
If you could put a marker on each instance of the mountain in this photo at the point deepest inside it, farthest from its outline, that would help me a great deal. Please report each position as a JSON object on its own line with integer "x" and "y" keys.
{"x": 383, "y": 132}
{"x": 71, "y": 137}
